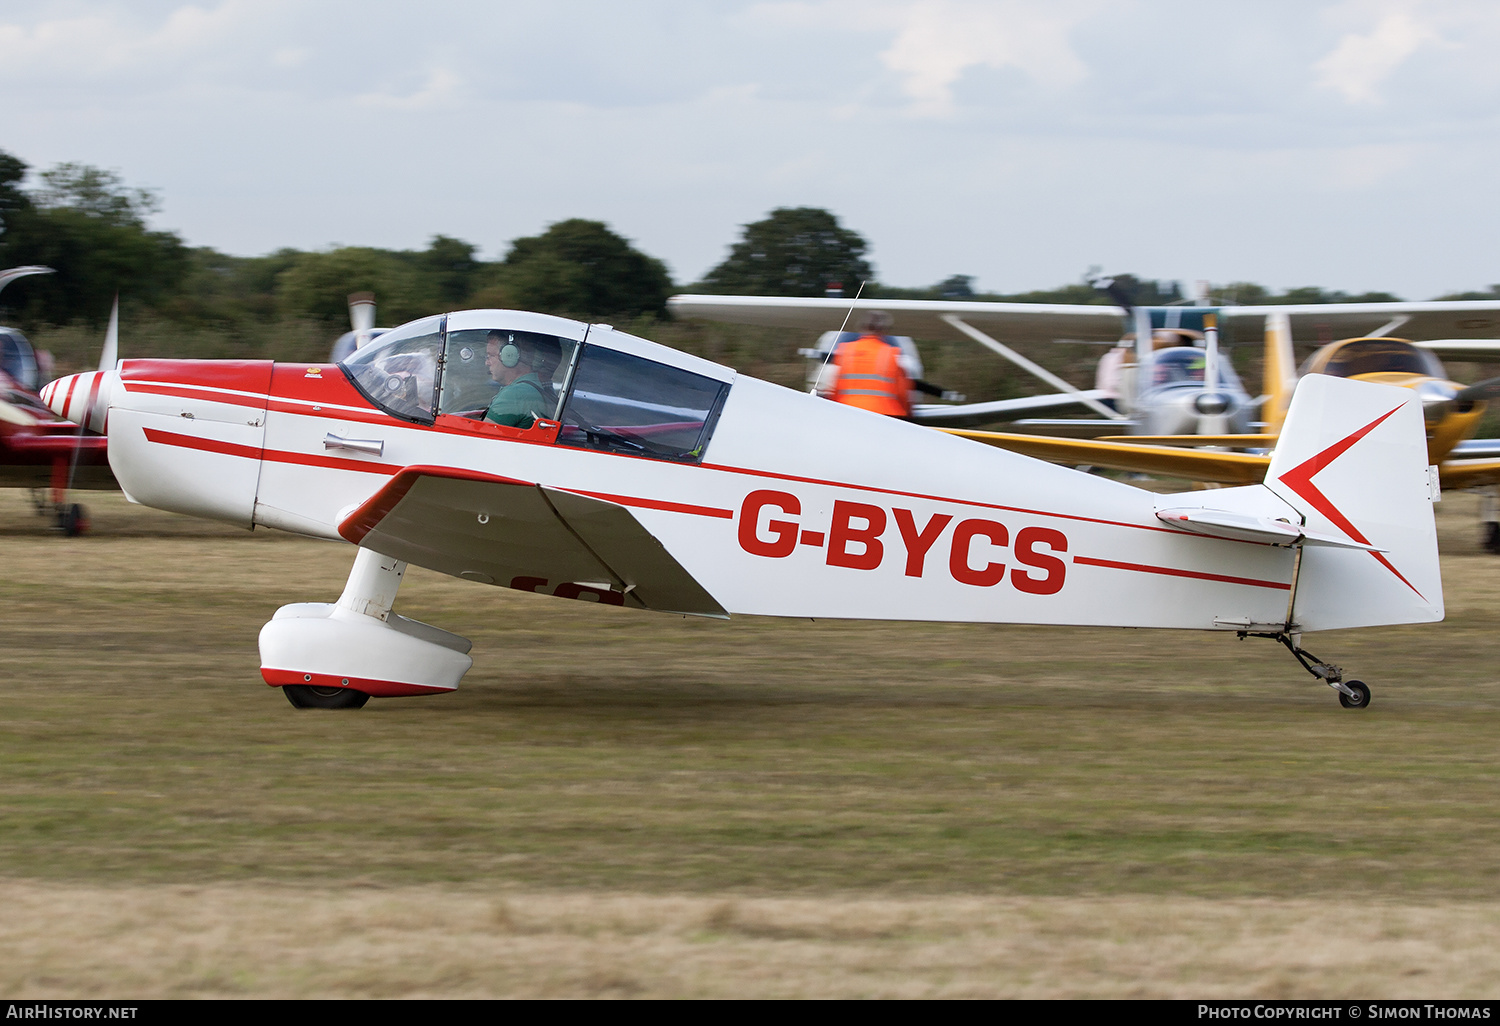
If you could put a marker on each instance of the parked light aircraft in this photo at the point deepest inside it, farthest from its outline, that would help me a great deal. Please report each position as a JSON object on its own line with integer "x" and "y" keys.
{"x": 40, "y": 450}
{"x": 1206, "y": 406}
{"x": 1451, "y": 412}
{"x": 657, "y": 480}
{"x": 1177, "y": 395}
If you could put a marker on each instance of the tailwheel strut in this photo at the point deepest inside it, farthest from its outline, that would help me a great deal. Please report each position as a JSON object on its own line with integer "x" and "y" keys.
{"x": 1353, "y": 694}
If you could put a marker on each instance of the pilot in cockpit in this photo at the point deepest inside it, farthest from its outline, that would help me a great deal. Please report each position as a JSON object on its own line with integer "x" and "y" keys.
{"x": 523, "y": 365}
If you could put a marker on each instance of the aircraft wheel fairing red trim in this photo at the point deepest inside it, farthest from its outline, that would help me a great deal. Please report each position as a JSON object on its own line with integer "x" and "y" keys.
{"x": 388, "y": 657}
{"x": 370, "y": 686}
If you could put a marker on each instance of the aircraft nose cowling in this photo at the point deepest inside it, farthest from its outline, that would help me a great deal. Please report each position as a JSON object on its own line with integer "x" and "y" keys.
{"x": 187, "y": 435}
{"x": 82, "y": 398}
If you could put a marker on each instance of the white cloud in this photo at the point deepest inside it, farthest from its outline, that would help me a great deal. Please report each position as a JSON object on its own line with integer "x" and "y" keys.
{"x": 1361, "y": 62}
{"x": 109, "y": 42}
{"x": 440, "y": 89}
{"x": 939, "y": 40}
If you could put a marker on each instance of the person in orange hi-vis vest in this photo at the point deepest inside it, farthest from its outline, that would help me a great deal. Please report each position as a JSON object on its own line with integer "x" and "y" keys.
{"x": 868, "y": 370}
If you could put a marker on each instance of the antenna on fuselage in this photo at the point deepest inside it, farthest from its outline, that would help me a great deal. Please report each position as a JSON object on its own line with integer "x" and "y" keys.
{"x": 818, "y": 378}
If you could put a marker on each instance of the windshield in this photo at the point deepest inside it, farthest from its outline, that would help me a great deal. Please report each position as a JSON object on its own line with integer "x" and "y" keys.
{"x": 1177, "y": 366}
{"x": 626, "y": 404}
{"x": 1374, "y": 356}
{"x": 17, "y": 360}
{"x": 398, "y": 371}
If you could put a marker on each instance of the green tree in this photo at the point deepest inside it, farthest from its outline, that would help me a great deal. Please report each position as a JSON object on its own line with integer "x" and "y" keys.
{"x": 451, "y": 265}
{"x": 12, "y": 171}
{"x": 581, "y": 267}
{"x": 317, "y": 285}
{"x": 85, "y": 223}
{"x": 796, "y": 251}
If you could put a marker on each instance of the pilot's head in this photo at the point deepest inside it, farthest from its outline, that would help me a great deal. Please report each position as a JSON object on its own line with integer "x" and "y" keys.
{"x": 511, "y": 355}
{"x": 876, "y": 322}
{"x": 507, "y": 356}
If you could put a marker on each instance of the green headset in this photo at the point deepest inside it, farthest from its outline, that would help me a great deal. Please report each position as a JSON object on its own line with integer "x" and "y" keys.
{"x": 510, "y": 353}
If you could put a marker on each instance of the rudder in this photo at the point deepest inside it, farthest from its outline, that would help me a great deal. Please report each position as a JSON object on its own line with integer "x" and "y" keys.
{"x": 1352, "y": 459}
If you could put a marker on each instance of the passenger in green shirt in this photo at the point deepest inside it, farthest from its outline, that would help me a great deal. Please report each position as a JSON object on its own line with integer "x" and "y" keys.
{"x": 518, "y": 363}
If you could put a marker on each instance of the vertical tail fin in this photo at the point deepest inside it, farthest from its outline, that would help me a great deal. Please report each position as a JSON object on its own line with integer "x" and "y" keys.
{"x": 1352, "y": 459}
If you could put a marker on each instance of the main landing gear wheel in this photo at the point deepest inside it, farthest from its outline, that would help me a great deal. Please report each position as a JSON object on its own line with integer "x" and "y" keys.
{"x": 72, "y": 519}
{"x": 1359, "y": 699}
{"x": 308, "y": 696}
{"x": 1491, "y": 539}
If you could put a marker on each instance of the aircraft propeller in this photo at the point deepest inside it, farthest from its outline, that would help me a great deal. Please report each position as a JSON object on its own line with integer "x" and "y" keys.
{"x": 1212, "y": 404}
{"x": 1480, "y": 392}
{"x": 71, "y": 516}
{"x": 362, "y": 317}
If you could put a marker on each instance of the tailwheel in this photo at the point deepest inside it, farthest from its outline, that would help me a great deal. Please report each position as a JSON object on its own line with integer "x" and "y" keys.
{"x": 309, "y": 696}
{"x": 1360, "y": 697}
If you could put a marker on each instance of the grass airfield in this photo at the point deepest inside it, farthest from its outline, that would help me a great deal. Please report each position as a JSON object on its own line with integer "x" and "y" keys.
{"x": 626, "y": 804}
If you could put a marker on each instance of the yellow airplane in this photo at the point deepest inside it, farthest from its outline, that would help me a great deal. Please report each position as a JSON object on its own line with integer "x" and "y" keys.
{"x": 1453, "y": 411}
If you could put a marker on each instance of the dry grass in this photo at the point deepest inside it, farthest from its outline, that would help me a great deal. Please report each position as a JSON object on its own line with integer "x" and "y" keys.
{"x": 239, "y": 940}
{"x": 624, "y": 803}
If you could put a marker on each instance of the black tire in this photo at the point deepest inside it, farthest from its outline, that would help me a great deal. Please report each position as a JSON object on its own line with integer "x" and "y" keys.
{"x": 72, "y": 519}
{"x": 307, "y": 696}
{"x": 1491, "y": 540}
{"x": 1361, "y": 697}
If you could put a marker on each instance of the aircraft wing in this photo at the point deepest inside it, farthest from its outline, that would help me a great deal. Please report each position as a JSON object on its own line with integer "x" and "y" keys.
{"x": 1015, "y": 322}
{"x": 517, "y": 534}
{"x": 1452, "y": 320}
{"x": 1191, "y": 464}
{"x": 1449, "y": 321}
{"x": 971, "y": 414}
{"x": 1464, "y": 350}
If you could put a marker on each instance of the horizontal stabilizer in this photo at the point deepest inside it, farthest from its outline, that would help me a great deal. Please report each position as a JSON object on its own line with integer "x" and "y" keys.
{"x": 1218, "y": 523}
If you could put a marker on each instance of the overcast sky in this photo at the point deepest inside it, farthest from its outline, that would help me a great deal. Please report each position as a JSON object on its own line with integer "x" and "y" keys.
{"x": 1352, "y": 145}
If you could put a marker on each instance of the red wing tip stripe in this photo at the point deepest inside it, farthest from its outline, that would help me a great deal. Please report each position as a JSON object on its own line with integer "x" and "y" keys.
{"x": 1168, "y": 571}
{"x": 670, "y": 507}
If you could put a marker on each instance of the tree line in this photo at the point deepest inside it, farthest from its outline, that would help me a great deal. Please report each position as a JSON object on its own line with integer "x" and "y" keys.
{"x": 96, "y": 231}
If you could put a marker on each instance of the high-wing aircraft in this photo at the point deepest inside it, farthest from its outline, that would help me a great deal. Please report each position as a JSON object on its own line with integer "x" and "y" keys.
{"x": 40, "y": 450}
{"x": 1451, "y": 412}
{"x": 648, "y": 478}
{"x": 1177, "y": 390}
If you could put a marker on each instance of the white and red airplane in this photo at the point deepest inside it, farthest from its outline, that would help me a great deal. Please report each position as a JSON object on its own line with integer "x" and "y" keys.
{"x": 658, "y": 480}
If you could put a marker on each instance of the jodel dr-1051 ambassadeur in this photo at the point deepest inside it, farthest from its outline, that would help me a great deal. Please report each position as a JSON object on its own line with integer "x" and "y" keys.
{"x": 542, "y": 454}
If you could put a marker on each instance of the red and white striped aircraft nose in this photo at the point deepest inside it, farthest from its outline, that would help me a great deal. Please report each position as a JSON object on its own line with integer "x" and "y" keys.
{"x": 81, "y": 398}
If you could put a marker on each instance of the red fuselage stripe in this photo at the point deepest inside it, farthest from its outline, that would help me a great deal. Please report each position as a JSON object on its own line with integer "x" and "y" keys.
{"x": 937, "y": 498}
{"x": 213, "y": 395}
{"x": 250, "y": 452}
{"x": 1172, "y": 572}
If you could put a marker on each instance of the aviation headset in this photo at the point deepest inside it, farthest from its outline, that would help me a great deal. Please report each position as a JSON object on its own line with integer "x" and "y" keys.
{"x": 510, "y": 353}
